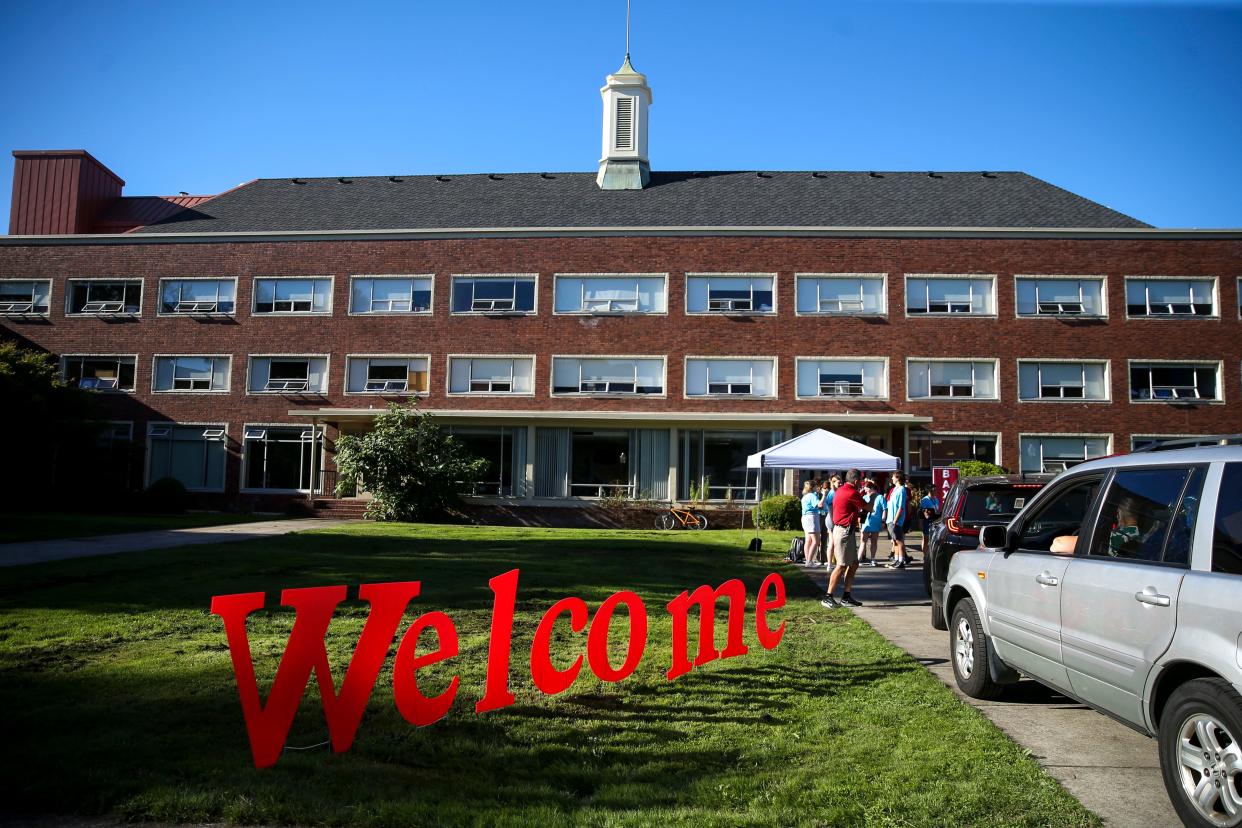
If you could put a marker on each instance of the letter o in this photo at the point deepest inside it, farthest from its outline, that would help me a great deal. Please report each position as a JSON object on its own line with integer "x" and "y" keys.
{"x": 597, "y": 637}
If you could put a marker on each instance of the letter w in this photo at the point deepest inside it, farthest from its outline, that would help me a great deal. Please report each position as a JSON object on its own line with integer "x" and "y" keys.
{"x": 268, "y": 726}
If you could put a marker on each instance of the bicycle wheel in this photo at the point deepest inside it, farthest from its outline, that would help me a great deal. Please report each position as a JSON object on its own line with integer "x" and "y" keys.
{"x": 701, "y": 520}
{"x": 664, "y": 521}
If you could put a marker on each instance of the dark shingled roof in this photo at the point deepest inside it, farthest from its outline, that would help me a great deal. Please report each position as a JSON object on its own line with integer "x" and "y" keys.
{"x": 673, "y": 199}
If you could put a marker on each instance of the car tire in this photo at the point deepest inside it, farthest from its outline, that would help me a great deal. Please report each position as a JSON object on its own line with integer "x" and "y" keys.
{"x": 968, "y": 652}
{"x": 1203, "y": 717}
{"x": 938, "y": 621}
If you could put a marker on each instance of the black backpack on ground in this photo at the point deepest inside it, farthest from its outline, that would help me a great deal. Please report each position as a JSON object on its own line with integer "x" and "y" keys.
{"x": 797, "y": 553}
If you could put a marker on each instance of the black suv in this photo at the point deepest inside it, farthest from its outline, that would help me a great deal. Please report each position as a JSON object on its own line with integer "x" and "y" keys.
{"x": 972, "y": 503}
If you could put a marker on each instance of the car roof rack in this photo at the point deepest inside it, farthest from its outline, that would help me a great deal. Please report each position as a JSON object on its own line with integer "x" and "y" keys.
{"x": 1192, "y": 442}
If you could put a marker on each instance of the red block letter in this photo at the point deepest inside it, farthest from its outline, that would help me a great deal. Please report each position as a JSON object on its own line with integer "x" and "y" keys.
{"x": 498, "y": 695}
{"x": 597, "y": 637}
{"x": 269, "y": 726}
{"x": 706, "y": 599}
{"x": 547, "y": 678}
{"x": 767, "y": 636}
{"x": 413, "y": 705}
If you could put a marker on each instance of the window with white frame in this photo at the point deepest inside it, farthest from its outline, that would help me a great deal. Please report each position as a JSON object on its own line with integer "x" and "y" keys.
{"x": 104, "y": 296}
{"x": 100, "y": 373}
{"x": 288, "y": 375}
{"x": 491, "y": 375}
{"x": 494, "y": 294}
{"x": 198, "y": 296}
{"x": 1062, "y": 381}
{"x": 610, "y": 294}
{"x": 1175, "y": 381}
{"x": 390, "y": 294}
{"x": 951, "y": 379}
{"x": 730, "y": 377}
{"x": 719, "y": 293}
{"x": 1143, "y": 441}
{"x": 1056, "y": 453}
{"x": 841, "y": 294}
{"x": 1170, "y": 297}
{"x": 842, "y": 378}
{"x": 280, "y": 457}
{"x": 25, "y": 297}
{"x": 192, "y": 373}
{"x": 950, "y": 295}
{"x": 1060, "y": 296}
{"x": 292, "y": 296}
{"x": 192, "y": 454}
{"x": 387, "y": 375}
{"x": 601, "y": 375}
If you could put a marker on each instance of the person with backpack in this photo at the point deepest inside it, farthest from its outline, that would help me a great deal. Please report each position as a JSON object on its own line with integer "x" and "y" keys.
{"x": 897, "y": 511}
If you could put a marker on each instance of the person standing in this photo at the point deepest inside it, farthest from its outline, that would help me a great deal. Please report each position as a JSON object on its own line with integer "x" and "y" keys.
{"x": 810, "y": 516}
{"x": 848, "y": 508}
{"x": 874, "y": 523}
{"x": 826, "y": 490}
{"x": 929, "y": 510}
{"x": 895, "y": 517}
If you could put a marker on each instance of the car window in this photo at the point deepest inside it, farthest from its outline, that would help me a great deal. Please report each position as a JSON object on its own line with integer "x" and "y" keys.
{"x": 1144, "y": 516}
{"x": 1227, "y": 536}
{"x": 1059, "y": 516}
{"x": 996, "y": 504}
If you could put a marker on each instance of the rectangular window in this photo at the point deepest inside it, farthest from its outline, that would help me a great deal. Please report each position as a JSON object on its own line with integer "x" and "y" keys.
{"x": 842, "y": 294}
{"x": 1170, "y": 297}
{"x": 194, "y": 455}
{"x": 390, "y": 294}
{"x": 573, "y": 375}
{"x": 730, "y": 377}
{"x": 491, "y": 375}
{"x": 950, "y": 295}
{"x": 729, "y": 294}
{"x": 292, "y": 296}
{"x": 951, "y": 379}
{"x": 288, "y": 375}
{"x": 1059, "y": 297}
{"x": 100, "y": 297}
{"x": 1174, "y": 382}
{"x": 929, "y": 449}
{"x": 493, "y": 294}
{"x": 600, "y": 464}
{"x": 1062, "y": 381}
{"x": 279, "y": 457}
{"x": 1057, "y": 453}
{"x": 192, "y": 373}
{"x": 713, "y": 465}
{"x": 503, "y": 450}
{"x": 1142, "y": 441}
{"x": 100, "y": 373}
{"x": 610, "y": 294}
{"x": 27, "y": 297}
{"x": 198, "y": 296}
{"x": 387, "y": 375}
{"x": 842, "y": 378}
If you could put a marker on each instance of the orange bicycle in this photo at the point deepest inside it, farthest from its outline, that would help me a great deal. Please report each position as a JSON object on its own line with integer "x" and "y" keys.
{"x": 683, "y": 517}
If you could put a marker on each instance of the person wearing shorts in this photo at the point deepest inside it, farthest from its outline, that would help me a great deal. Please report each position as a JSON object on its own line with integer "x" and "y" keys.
{"x": 874, "y": 522}
{"x": 895, "y": 516}
{"x": 810, "y": 521}
{"x": 848, "y": 508}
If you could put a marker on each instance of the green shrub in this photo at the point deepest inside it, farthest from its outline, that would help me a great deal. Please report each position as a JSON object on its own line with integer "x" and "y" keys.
{"x": 781, "y": 512}
{"x": 977, "y": 468}
{"x": 166, "y": 496}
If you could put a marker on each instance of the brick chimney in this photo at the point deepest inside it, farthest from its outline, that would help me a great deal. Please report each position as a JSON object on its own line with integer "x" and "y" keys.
{"x": 59, "y": 191}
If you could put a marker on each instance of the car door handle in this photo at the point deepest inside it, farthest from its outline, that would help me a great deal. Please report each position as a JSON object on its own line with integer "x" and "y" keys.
{"x": 1150, "y": 596}
{"x": 1047, "y": 580}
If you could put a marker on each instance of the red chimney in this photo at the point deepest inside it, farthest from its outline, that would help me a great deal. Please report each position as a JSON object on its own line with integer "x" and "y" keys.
{"x": 59, "y": 191}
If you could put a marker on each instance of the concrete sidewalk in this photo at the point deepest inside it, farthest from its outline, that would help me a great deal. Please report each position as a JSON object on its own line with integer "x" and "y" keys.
{"x": 17, "y": 554}
{"x": 1111, "y": 769}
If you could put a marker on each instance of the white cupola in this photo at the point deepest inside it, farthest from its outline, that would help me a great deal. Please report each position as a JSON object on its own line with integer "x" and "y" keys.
{"x": 624, "y": 164}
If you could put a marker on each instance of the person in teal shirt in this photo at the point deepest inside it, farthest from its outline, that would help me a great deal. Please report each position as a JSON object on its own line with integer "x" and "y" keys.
{"x": 810, "y": 520}
{"x": 895, "y": 517}
{"x": 874, "y": 523}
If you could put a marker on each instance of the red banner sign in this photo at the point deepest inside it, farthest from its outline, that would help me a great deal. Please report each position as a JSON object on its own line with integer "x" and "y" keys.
{"x": 943, "y": 478}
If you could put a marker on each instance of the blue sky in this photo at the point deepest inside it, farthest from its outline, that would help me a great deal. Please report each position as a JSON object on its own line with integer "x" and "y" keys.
{"x": 1135, "y": 105}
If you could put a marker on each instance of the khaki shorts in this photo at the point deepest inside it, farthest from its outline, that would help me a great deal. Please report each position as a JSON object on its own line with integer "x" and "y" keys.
{"x": 846, "y": 540}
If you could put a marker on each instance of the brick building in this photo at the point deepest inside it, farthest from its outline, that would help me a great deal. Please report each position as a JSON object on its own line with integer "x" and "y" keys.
{"x": 623, "y": 332}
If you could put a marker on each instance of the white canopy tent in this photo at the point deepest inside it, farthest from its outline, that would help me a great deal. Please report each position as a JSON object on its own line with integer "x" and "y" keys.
{"x": 820, "y": 449}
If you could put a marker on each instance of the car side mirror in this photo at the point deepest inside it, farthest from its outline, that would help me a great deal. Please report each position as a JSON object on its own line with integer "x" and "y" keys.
{"x": 994, "y": 537}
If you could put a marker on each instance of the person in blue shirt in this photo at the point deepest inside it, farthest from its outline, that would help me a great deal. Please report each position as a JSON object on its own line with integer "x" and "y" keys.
{"x": 826, "y": 490}
{"x": 874, "y": 523}
{"x": 895, "y": 517}
{"x": 810, "y": 519}
{"x": 929, "y": 510}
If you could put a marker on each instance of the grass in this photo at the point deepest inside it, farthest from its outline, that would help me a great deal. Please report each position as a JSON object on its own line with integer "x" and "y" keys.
{"x": 36, "y": 526}
{"x": 120, "y": 699}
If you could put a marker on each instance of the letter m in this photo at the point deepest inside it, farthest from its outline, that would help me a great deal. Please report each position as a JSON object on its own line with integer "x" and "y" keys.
{"x": 268, "y": 726}
{"x": 705, "y": 597}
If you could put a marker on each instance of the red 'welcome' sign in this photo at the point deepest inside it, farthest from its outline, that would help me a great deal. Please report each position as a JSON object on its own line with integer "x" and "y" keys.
{"x": 268, "y": 725}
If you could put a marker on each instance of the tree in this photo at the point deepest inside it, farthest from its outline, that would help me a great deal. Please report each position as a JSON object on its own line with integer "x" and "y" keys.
{"x": 977, "y": 468}
{"x": 414, "y": 469}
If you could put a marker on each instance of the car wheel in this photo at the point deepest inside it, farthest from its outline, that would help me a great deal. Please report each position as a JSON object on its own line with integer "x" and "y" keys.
{"x": 937, "y": 620}
{"x": 968, "y": 650}
{"x": 1200, "y": 753}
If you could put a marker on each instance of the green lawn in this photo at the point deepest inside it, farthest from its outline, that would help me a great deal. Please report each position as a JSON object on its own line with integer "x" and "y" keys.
{"x": 37, "y": 526}
{"x": 119, "y": 698}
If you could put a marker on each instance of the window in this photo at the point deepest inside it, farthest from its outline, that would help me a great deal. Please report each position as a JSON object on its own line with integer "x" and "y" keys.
{"x": 390, "y": 294}
{"x": 1149, "y": 515}
{"x": 292, "y": 295}
{"x": 573, "y": 375}
{"x": 491, "y": 375}
{"x": 1174, "y": 382}
{"x": 192, "y": 373}
{"x": 1170, "y": 297}
{"x": 1142, "y": 441}
{"x": 1060, "y": 514}
{"x": 955, "y": 295}
{"x": 1059, "y": 296}
{"x": 493, "y": 294}
{"x": 104, "y": 297}
{"x": 100, "y": 373}
{"x": 713, "y": 464}
{"x": 279, "y": 457}
{"x": 847, "y": 293}
{"x": 730, "y": 377}
{"x": 387, "y": 375}
{"x": 1227, "y": 533}
{"x": 729, "y": 294}
{"x": 610, "y": 294}
{"x": 292, "y": 374}
{"x": 599, "y": 464}
{"x": 198, "y": 296}
{"x": 1062, "y": 381}
{"x": 928, "y": 449}
{"x": 194, "y": 455}
{"x": 504, "y": 451}
{"x": 25, "y": 297}
{"x": 1057, "y": 453}
{"x": 863, "y": 378}
{"x": 951, "y": 379}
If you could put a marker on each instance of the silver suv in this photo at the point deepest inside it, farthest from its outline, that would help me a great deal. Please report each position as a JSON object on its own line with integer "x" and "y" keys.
{"x": 1120, "y": 585}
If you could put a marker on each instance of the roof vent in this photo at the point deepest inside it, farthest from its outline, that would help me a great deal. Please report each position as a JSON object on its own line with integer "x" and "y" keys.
{"x": 934, "y": 175}
{"x": 764, "y": 174}
{"x": 296, "y": 181}
{"x": 495, "y": 177}
{"x": 345, "y": 181}
{"x": 395, "y": 180}
{"x": 182, "y": 192}
{"x": 875, "y": 174}
{"x": 443, "y": 178}
{"x": 547, "y": 175}
{"x": 988, "y": 175}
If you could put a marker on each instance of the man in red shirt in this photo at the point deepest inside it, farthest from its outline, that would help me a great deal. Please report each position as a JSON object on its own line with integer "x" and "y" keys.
{"x": 848, "y": 508}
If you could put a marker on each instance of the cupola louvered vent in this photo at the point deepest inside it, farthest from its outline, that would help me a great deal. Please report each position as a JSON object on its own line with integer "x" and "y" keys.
{"x": 625, "y": 123}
